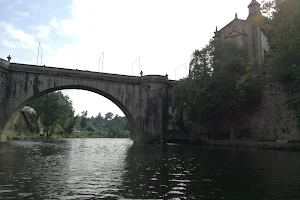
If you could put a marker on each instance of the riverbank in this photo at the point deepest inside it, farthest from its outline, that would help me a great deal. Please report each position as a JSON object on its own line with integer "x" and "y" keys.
{"x": 53, "y": 136}
{"x": 276, "y": 145}
{"x": 293, "y": 145}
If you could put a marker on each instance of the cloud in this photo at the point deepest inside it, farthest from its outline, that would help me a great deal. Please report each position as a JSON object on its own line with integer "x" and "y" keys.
{"x": 65, "y": 27}
{"x": 19, "y": 37}
{"x": 126, "y": 32}
{"x": 19, "y": 2}
{"x": 34, "y": 6}
{"x": 23, "y": 46}
{"x": 22, "y": 14}
{"x": 43, "y": 31}
{"x": 68, "y": 27}
{"x": 9, "y": 6}
{"x": 54, "y": 23}
{"x": 15, "y": 18}
{"x": 8, "y": 44}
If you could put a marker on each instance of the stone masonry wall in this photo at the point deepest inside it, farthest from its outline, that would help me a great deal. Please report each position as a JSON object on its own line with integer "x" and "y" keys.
{"x": 271, "y": 118}
{"x": 268, "y": 119}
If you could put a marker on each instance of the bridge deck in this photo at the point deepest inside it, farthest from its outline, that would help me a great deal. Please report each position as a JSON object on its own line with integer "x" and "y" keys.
{"x": 55, "y": 71}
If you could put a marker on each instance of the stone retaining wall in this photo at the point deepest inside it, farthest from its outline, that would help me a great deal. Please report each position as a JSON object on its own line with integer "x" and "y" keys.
{"x": 268, "y": 119}
{"x": 271, "y": 118}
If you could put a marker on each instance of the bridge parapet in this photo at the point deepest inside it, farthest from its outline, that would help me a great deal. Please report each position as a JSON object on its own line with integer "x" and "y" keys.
{"x": 4, "y": 65}
{"x": 154, "y": 79}
{"x": 53, "y": 71}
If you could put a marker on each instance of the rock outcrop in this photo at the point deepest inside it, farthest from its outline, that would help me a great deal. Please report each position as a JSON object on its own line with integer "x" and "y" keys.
{"x": 24, "y": 124}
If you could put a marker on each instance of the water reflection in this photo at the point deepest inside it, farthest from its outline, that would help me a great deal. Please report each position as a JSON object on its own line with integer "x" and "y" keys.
{"x": 185, "y": 172}
{"x": 116, "y": 169}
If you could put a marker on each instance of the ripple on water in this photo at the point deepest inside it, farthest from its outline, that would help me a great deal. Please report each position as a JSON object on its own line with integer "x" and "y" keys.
{"x": 114, "y": 169}
{"x": 178, "y": 188}
{"x": 176, "y": 192}
{"x": 206, "y": 180}
{"x": 25, "y": 194}
{"x": 178, "y": 174}
{"x": 179, "y": 180}
{"x": 6, "y": 191}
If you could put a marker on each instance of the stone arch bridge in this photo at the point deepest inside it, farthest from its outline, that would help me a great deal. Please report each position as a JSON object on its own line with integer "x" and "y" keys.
{"x": 144, "y": 100}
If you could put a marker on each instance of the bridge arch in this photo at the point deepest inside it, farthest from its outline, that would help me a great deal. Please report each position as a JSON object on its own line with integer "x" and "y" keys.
{"x": 144, "y": 100}
{"x": 120, "y": 105}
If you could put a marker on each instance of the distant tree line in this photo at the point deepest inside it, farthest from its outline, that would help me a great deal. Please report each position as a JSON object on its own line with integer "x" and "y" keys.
{"x": 56, "y": 116}
{"x": 108, "y": 126}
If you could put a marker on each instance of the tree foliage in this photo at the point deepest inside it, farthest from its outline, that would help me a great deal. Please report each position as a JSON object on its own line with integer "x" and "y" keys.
{"x": 56, "y": 115}
{"x": 83, "y": 122}
{"x": 109, "y": 115}
{"x": 284, "y": 55}
{"x": 108, "y": 126}
{"x": 69, "y": 125}
{"x": 222, "y": 80}
{"x": 283, "y": 59}
{"x": 53, "y": 108}
{"x": 218, "y": 83}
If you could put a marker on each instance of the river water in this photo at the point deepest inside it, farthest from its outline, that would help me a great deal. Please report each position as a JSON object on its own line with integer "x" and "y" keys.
{"x": 116, "y": 169}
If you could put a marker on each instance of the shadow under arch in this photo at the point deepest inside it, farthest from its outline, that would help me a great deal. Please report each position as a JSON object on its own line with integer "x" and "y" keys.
{"x": 78, "y": 87}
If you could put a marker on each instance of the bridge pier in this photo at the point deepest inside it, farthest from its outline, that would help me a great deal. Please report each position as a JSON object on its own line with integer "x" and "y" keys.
{"x": 153, "y": 98}
{"x": 4, "y": 72}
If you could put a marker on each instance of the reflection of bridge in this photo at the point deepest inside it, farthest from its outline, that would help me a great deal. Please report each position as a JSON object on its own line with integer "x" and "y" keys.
{"x": 144, "y": 100}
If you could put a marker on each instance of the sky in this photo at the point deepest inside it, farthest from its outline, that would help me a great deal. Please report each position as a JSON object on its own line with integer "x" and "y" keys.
{"x": 74, "y": 33}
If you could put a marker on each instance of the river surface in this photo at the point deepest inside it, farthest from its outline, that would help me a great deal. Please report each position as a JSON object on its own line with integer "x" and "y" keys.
{"x": 116, "y": 169}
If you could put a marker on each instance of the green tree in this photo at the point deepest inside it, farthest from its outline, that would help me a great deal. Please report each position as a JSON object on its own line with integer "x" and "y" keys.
{"x": 91, "y": 129}
{"x": 98, "y": 121}
{"x": 284, "y": 38}
{"x": 70, "y": 124}
{"x": 110, "y": 126}
{"x": 84, "y": 120}
{"x": 53, "y": 108}
{"x": 201, "y": 63}
{"x": 229, "y": 59}
{"x": 217, "y": 85}
{"x": 283, "y": 59}
{"x": 109, "y": 116}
